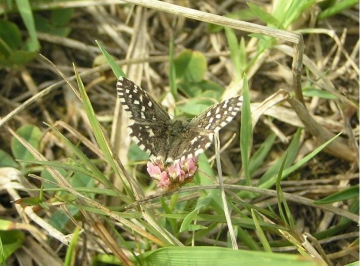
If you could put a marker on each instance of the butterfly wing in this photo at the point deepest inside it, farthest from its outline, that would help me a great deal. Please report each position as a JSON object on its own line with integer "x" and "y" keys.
{"x": 149, "y": 122}
{"x": 199, "y": 132}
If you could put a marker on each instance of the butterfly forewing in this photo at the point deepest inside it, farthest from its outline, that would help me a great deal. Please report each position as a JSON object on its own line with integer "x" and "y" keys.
{"x": 171, "y": 141}
{"x": 148, "y": 121}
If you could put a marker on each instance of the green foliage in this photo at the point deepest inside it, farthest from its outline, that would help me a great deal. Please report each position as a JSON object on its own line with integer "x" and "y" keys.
{"x": 12, "y": 49}
{"x": 190, "y": 66}
{"x": 10, "y": 241}
{"x": 263, "y": 15}
{"x": 56, "y": 24}
{"x": 237, "y": 52}
{"x": 135, "y": 154}
{"x": 333, "y": 7}
{"x": 246, "y": 132}
{"x": 16, "y": 52}
{"x": 347, "y": 194}
{"x": 6, "y": 160}
{"x": 32, "y": 135}
{"x": 32, "y": 44}
{"x": 72, "y": 250}
{"x": 219, "y": 256}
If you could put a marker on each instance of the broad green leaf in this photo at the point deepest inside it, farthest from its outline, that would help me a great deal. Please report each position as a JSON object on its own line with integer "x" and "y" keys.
{"x": 190, "y": 66}
{"x": 32, "y": 135}
{"x": 10, "y": 241}
{"x": 7, "y": 161}
{"x": 10, "y": 38}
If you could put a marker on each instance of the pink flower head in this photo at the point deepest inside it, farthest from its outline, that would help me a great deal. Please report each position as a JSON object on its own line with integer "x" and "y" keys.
{"x": 173, "y": 176}
{"x": 153, "y": 170}
{"x": 190, "y": 166}
{"x": 164, "y": 181}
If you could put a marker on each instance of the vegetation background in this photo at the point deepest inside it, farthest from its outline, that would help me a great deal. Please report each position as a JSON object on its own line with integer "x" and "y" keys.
{"x": 70, "y": 176}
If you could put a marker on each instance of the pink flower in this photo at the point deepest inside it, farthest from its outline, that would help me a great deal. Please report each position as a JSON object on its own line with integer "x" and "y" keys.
{"x": 190, "y": 166}
{"x": 173, "y": 176}
{"x": 153, "y": 170}
{"x": 164, "y": 181}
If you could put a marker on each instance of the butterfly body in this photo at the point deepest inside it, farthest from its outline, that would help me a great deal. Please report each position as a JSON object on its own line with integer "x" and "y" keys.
{"x": 171, "y": 140}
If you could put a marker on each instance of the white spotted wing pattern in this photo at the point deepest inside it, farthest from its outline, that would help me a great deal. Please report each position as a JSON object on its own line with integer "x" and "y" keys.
{"x": 171, "y": 140}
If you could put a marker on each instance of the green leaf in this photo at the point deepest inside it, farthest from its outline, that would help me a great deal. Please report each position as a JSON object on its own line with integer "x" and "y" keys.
{"x": 336, "y": 7}
{"x": 115, "y": 68}
{"x": 205, "y": 256}
{"x": 346, "y": 194}
{"x": 25, "y": 11}
{"x": 7, "y": 161}
{"x": 10, "y": 38}
{"x": 10, "y": 43}
{"x": 72, "y": 249}
{"x": 10, "y": 242}
{"x": 17, "y": 59}
{"x": 188, "y": 220}
{"x": 287, "y": 12}
{"x": 57, "y": 24}
{"x": 234, "y": 51}
{"x": 135, "y": 154}
{"x": 60, "y": 218}
{"x": 268, "y": 180}
{"x": 246, "y": 131}
{"x": 206, "y": 172}
{"x": 61, "y": 17}
{"x": 190, "y": 66}
{"x": 312, "y": 92}
{"x": 195, "y": 106}
{"x": 263, "y": 15}
{"x": 257, "y": 159}
{"x": 32, "y": 135}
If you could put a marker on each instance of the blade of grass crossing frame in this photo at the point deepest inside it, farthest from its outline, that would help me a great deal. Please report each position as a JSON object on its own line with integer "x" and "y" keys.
{"x": 26, "y": 13}
{"x": 71, "y": 251}
{"x": 308, "y": 157}
{"x": 260, "y": 232}
{"x": 99, "y": 135}
{"x": 246, "y": 132}
{"x": 299, "y": 164}
{"x": 115, "y": 68}
{"x": 257, "y": 159}
{"x": 269, "y": 178}
{"x": 98, "y": 175}
{"x": 234, "y": 51}
{"x": 284, "y": 210}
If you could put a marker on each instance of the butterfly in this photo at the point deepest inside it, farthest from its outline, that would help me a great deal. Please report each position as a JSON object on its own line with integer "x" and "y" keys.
{"x": 169, "y": 140}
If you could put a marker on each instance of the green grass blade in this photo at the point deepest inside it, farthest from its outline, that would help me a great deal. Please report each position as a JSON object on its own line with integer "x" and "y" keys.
{"x": 246, "y": 132}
